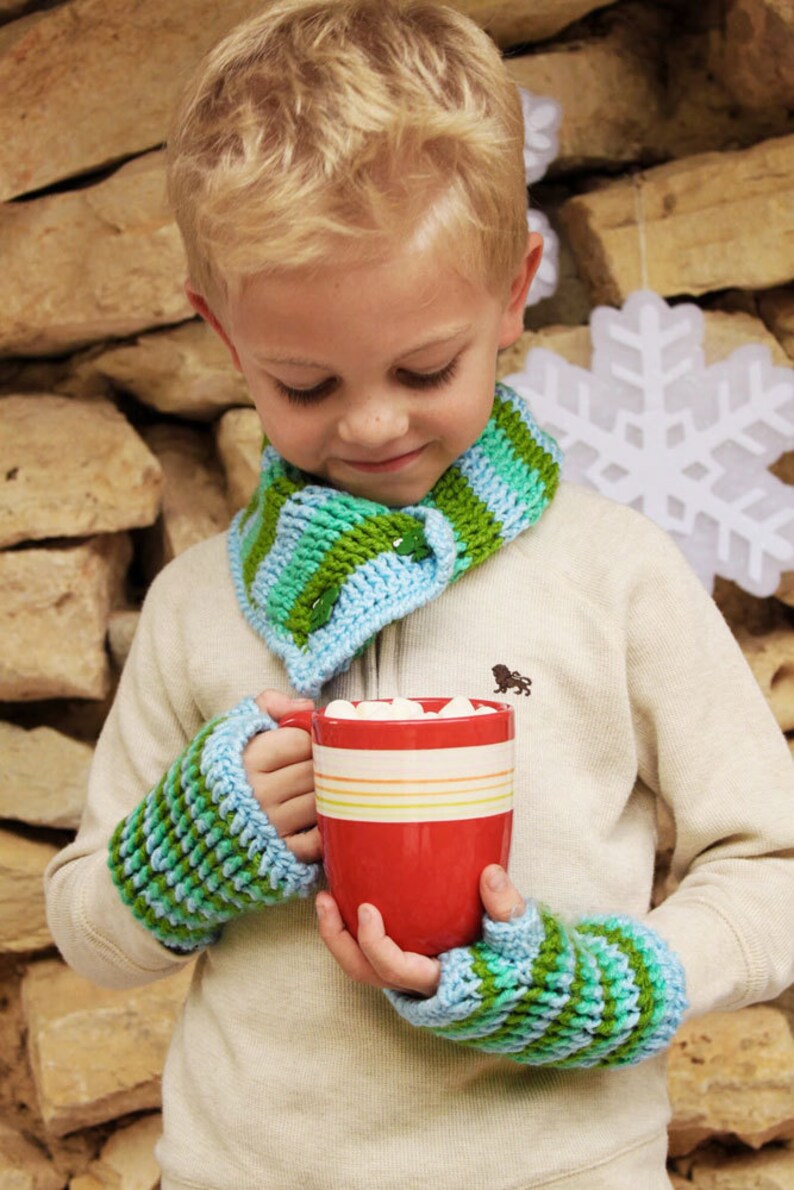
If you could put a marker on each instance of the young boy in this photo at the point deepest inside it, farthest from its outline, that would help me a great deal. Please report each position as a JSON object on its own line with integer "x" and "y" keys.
{"x": 348, "y": 178}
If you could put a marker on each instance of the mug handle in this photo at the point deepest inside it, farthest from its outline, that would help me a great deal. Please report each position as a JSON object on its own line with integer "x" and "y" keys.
{"x": 301, "y": 719}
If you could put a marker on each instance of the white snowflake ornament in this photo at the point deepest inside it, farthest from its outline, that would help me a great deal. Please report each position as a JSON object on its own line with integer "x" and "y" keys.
{"x": 544, "y": 283}
{"x": 652, "y": 426}
{"x": 542, "y": 116}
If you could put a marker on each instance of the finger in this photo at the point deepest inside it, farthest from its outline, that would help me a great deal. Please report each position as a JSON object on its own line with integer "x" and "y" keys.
{"x": 341, "y": 942}
{"x": 271, "y": 750}
{"x": 396, "y": 968}
{"x": 277, "y": 704}
{"x": 294, "y": 815}
{"x": 306, "y": 847}
{"x": 501, "y": 898}
{"x": 271, "y": 789}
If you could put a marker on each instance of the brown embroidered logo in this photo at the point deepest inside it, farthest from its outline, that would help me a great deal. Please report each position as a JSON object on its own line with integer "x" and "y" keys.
{"x": 507, "y": 679}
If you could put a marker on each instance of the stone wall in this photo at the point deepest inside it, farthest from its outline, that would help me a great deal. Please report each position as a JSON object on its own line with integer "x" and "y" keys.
{"x": 125, "y": 436}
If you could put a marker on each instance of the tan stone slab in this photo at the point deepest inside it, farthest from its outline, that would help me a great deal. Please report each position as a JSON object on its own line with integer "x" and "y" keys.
{"x": 45, "y": 774}
{"x": 72, "y": 469}
{"x": 96, "y": 1053}
{"x": 54, "y": 608}
{"x": 771, "y": 658}
{"x": 23, "y": 924}
{"x": 697, "y": 225}
{"x": 102, "y": 262}
{"x": 127, "y": 1160}
{"x": 17, "y": 1094}
{"x": 69, "y": 376}
{"x": 609, "y": 88}
{"x": 121, "y": 632}
{"x": 784, "y": 469}
{"x": 187, "y": 371}
{"x": 753, "y": 56}
{"x": 23, "y": 1165}
{"x": 741, "y": 610}
{"x": 238, "y": 440}
{"x": 573, "y": 343}
{"x": 722, "y": 333}
{"x": 701, "y": 114}
{"x": 16, "y": 17}
{"x": 771, "y": 1169}
{"x": 642, "y": 91}
{"x": 194, "y": 497}
{"x": 732, "y": 1073}
{"x": 510, "y": 22}
{"x": 777, "y": 311}
{"x": 92, "y": 82}
{"x": 785, "y": 592}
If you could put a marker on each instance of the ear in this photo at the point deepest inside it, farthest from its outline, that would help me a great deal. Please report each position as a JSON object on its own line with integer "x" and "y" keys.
{"x": 199, "y": 304}
{"x": 512, "y": 322}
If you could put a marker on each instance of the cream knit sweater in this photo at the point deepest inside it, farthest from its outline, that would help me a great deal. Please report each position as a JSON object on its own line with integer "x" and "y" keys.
{"x": 284, "y": 1074}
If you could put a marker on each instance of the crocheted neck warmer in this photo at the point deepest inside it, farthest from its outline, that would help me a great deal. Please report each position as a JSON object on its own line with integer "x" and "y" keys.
{"x": 319, "y": 572}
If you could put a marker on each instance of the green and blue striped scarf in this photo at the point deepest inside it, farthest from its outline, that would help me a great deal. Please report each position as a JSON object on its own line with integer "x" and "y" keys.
{"x": 319, "y": 572}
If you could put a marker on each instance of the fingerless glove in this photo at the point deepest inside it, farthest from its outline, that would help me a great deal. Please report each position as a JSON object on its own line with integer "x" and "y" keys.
{"x": 199, "y": 850}
{"x": 606, "y": 991}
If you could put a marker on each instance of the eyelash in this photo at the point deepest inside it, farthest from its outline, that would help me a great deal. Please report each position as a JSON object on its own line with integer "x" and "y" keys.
{"x": 306, "y": 396}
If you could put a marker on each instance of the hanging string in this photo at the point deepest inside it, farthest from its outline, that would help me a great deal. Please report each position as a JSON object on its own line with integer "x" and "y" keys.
{"x": 639, "y": 215}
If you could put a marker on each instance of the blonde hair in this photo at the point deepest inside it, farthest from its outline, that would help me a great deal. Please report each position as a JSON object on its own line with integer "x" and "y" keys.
{"x": 323, "y": 127}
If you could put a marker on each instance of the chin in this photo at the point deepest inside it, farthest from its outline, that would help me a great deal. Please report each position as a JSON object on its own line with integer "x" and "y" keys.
{"x": 396, "y": 496}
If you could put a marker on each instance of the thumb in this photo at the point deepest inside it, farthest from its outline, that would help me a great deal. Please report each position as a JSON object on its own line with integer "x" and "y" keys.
{"x": 501, "y": 898}
{"x": 277, "y": 704}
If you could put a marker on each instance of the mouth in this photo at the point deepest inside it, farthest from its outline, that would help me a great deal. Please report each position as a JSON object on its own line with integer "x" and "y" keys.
{"x": 396, "y": 463}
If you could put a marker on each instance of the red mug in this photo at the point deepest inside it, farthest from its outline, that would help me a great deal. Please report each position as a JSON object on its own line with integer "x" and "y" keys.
{"x": 410, "y": 811}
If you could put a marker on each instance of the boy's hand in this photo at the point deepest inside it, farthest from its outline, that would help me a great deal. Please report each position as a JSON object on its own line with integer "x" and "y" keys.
{"x": 377, "y": 960}
{"x": 278, "y": 765}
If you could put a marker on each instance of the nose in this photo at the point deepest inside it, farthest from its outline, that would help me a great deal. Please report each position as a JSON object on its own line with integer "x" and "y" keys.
{"x": 373, "y": 421}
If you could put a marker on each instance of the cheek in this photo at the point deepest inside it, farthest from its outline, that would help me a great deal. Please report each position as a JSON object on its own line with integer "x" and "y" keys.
{"x": 296, "y": 434}
{"x": 467, "y": 418}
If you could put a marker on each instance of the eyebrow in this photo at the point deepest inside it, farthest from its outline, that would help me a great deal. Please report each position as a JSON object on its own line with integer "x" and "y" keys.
{"x": 452, "y": 333}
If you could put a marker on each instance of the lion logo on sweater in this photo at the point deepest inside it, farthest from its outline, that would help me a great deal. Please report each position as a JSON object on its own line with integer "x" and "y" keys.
{"x": 507, "y": 679}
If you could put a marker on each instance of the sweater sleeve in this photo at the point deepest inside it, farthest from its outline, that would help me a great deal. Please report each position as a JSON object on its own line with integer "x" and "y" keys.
{"x": 187, "y": 834}
{"x": 708, "y": 744}
{"x": 605, "y": 991}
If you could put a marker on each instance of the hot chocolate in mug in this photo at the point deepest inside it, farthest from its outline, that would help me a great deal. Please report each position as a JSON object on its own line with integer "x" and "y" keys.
{"x": 410, "y": 811}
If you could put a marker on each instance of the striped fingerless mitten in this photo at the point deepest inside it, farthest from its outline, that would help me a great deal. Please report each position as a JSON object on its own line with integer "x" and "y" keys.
{"x": 605, "y": 992}
{"x": 199, "y": 850}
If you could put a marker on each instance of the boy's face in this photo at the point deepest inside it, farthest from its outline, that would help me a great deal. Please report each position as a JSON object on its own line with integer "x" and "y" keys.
{"x": 373, "y": 377}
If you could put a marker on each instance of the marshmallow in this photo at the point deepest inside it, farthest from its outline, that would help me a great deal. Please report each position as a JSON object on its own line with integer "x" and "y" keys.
{"x": 403, "y": 708}
{"x": 375, "y": 710}
{"x": 340, "y": 708}
{"x": 407, "y": 708}
{"x": 455, "y": 708}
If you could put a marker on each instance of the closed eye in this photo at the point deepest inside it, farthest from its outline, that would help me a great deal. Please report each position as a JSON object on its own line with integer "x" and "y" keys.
{"x": 430, "y": 379}
{"x": 419, "y": 380}
{"x": 305, "y": 396}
